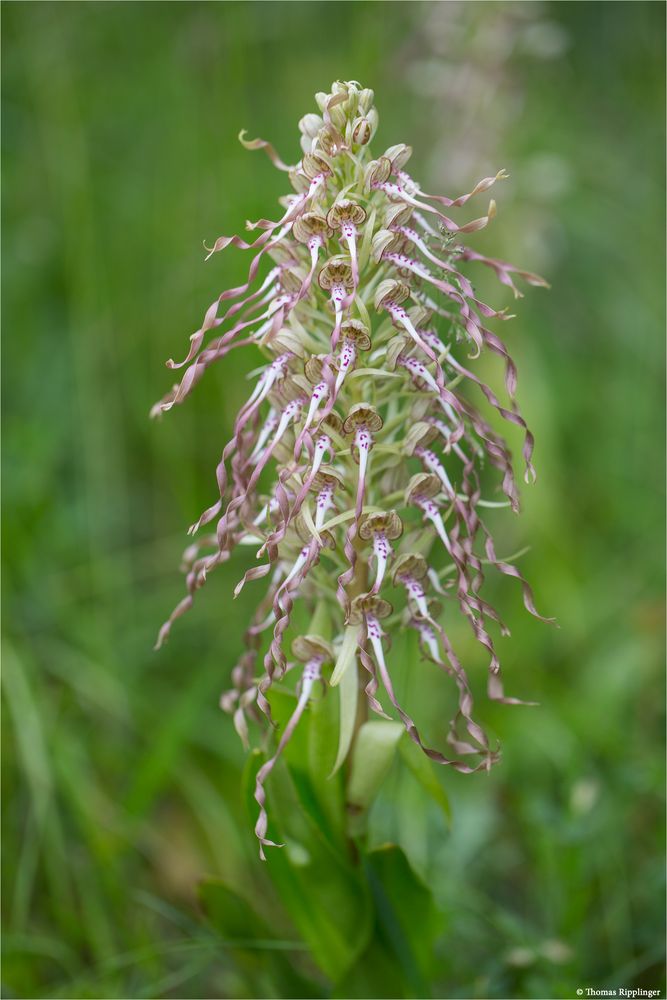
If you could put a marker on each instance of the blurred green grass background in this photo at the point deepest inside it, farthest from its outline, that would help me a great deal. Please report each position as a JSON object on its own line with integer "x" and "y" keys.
{"x": 121, "y": 777}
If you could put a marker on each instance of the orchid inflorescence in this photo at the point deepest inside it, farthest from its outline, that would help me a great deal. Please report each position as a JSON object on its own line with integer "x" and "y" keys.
{"x": 373, "y": 514}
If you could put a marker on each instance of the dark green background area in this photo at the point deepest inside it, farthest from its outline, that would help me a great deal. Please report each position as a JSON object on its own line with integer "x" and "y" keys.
{"x": 121, "y": 777}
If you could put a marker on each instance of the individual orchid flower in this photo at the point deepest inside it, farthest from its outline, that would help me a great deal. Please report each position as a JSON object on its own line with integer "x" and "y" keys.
{"x": 313, "y": 230}
{"x": 337, "y": 278}
{"x": 417, "y": 440}
{"x": 288, "y": 416}
{"x": 318, "y": 370}
{"x": 315, "y": 169}
{"x": 423, "y": 491}
{"x": 504, "y": 271}
{"x": 363, "y": 422}
{"x": 354, "y": 465}
{"x": 276, "y": 370}
{"x": 431, "y": 638}
{"x": 347, "y": 216}
{"x": 371, "y": 610}
{"x": 313, "y": 651}
{"x": 397, "y": 192}
{"x": 268, "y": 427}
{"x": 325, "y": 484}
{"x": 381, "y": 529}
{"x": 389, "y": 295}
{"x": 411, "y": 568}
{"x": 388, "y": 245}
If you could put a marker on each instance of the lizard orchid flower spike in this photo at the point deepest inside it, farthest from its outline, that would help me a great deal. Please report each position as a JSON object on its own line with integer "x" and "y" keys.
{"x": 354, "y": 469}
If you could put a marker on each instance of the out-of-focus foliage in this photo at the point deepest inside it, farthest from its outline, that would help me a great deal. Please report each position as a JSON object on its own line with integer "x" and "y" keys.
{"x": 123, "y": 784}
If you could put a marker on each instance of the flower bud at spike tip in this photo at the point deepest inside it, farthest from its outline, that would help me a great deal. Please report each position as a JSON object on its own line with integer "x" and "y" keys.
{"x": 353, "y": 470}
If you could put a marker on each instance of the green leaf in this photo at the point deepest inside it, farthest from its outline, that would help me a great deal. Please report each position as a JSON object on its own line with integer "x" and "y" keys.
{"x": 348, "y": 700}
{"x": 321, "y": 722}
{"x": 310, "y": 755}
{"x": 283, "y": 702}
{"x": 374, "y": 751}
{"x": 323, "y": 726}
{"x": 241, "y": 928}
{"x": 229, "y": 913}
{"x": 347, "y": 654}
{"x": 320, "y": 623}
{"x": 407, "y": 919}
{"x": 423, "y": 770}
{"x": 399, "y": 958}
{"x": 323, "y": 893}
{"x": 375, "y": 974}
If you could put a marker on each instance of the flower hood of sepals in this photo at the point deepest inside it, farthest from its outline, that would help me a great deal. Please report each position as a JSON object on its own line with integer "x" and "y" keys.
{"x": 356, "y": 424}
